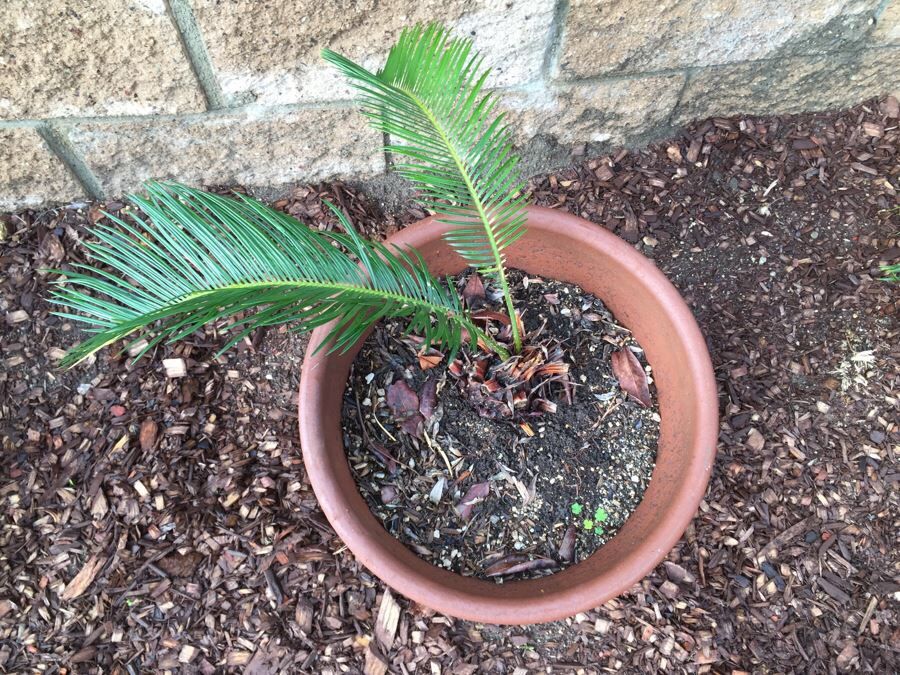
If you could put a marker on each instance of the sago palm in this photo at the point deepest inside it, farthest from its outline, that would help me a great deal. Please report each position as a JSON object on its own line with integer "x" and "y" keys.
{"x": 190, "y": 258}
{"x": 430, "y": 98}
{"x": 199, "y": 258}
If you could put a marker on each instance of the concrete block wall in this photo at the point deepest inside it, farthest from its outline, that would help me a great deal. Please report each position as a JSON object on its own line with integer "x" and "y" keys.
{"x": 99, "y": 95}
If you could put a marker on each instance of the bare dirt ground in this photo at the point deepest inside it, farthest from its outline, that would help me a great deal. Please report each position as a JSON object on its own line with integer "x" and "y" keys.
{"x": 159, "y": 523}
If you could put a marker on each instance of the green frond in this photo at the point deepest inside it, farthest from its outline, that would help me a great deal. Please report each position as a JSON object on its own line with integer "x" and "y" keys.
{"x": 456, "y": 148}
{"x": 195, "y": 258}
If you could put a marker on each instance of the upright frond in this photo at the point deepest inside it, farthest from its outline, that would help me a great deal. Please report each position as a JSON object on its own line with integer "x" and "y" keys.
{"x": 192, "y": 258}
{"x": 455, "y": 147}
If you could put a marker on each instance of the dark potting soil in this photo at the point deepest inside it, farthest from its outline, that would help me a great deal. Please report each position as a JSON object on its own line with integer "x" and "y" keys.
{"x": 523, "y": 494}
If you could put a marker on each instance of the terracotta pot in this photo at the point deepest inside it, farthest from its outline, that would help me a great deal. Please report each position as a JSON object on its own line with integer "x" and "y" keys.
{"x": 570, "y": 249}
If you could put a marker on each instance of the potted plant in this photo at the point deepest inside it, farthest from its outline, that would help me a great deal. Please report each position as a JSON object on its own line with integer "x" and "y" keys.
{"x": 195, "y": 258}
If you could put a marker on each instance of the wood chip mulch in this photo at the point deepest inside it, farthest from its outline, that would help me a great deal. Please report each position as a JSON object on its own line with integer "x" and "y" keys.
{"x": 158, "y": 517}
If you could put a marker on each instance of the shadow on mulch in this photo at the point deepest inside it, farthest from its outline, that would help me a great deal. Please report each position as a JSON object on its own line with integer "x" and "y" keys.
{"x": 195, "y": 543}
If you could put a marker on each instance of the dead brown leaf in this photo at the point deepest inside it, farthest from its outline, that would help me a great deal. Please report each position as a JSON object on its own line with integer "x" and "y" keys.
{"x": 631, "y": 376}
{"x": 381, "y": 453}
{"x": 428, "y": 397}
{"x": 404, "y": 404}
{"x": 517, "y": 563}
{"x": 473, "y": 293}
{"x": 474, "y": 495}
{"x": 430, "y": 358}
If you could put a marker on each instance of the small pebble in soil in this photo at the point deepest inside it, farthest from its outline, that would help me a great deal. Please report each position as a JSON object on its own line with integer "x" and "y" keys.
{"x": 583, "y": 467}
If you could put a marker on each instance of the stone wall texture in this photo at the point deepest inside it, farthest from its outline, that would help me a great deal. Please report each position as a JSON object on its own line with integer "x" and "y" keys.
{"x": 98, "y": 95}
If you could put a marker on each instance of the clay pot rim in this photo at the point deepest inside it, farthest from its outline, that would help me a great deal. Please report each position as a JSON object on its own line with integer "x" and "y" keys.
{"x": 516, "y": 602}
